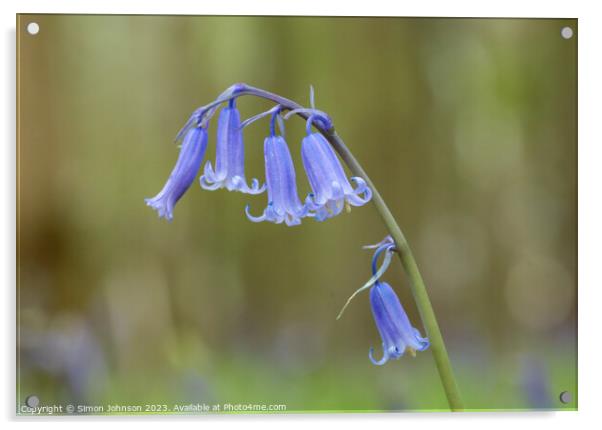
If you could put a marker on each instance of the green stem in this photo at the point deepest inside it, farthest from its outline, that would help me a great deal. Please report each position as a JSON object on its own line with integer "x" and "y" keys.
{"x": 409, "y": 264}
{"x": 417, "y": 286}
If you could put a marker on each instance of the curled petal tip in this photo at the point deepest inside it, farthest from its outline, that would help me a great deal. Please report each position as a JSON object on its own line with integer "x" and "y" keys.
{"x": 254, "y": 218}
{"x": 162, "y": 212}
{"x": 207, "y": 184}
{"x": 356, "y": 198}
{"x": 255, "y": 187}
{"x": 208, "y": 171}
{"x": 380, "y": 362}
{"x": 423, "y": 342}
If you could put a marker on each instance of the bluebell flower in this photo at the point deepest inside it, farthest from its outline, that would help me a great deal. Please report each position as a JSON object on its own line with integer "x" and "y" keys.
{"x": 229, "y": 170}
{"x": 393, "y": 325}
{"x": 331, "y": 189}
{"x": 283, "y": 202}
{"x": 182, "y": 176}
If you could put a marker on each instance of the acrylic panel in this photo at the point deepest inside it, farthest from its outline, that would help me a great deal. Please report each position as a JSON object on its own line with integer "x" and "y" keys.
{"x": 196, "y": 196}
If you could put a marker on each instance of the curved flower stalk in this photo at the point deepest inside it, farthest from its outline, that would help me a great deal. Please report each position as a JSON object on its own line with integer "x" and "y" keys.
{"x": 182, "y": 176}
{"x": 331, "y": 189}
{"x": 392, "y": 322}
{"x": 284, "y": 206}
{"x": 229, "y": 170}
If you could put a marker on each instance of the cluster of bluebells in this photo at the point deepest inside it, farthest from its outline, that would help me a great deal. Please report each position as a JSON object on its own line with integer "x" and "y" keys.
{"x": 395, "y": 329}
{"x": 331, "y": 189}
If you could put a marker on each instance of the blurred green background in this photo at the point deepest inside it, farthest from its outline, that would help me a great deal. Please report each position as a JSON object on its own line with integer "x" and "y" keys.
{"x": 467, "y": 126}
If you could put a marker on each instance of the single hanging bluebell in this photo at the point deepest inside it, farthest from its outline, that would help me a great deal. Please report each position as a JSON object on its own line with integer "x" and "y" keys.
{"x": 283, "y": 201}
{"x": 392, "y": 322}
{"x": 331, "y": 189}
{"x": 183, "y": 174}
{"x": 229, "y": 170}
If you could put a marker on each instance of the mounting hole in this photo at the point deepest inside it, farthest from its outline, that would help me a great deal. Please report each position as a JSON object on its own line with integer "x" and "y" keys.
{"x": 32, "y": 401}
{"x": 33, "y": 28}
{"x": 566, "y": 32}
{"x": 565, "y": 397}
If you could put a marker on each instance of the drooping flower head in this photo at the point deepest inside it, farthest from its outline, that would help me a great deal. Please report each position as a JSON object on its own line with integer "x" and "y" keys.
{"x": 283, "y": 201}
{"x": 392, "y": 322}
{"x": 229, "y": 170}
{"x": 182, "y": 176}
{"x": 331, "y": 189}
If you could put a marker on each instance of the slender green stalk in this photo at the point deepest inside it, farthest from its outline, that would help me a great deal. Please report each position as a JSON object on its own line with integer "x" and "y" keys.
{"x": 408, "y": 262}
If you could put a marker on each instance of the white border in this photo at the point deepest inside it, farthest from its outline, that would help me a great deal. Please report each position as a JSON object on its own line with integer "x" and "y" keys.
{"x": 590, "y": 295}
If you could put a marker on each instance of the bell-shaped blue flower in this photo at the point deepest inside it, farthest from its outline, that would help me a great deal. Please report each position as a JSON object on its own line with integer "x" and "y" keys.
{"x": 229, "y": 170}
{"x": 393, "y": 325}
{"x": 182, "y": 176}
{"x": 283, "y": 202}
{"x": 331, "y": 189}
